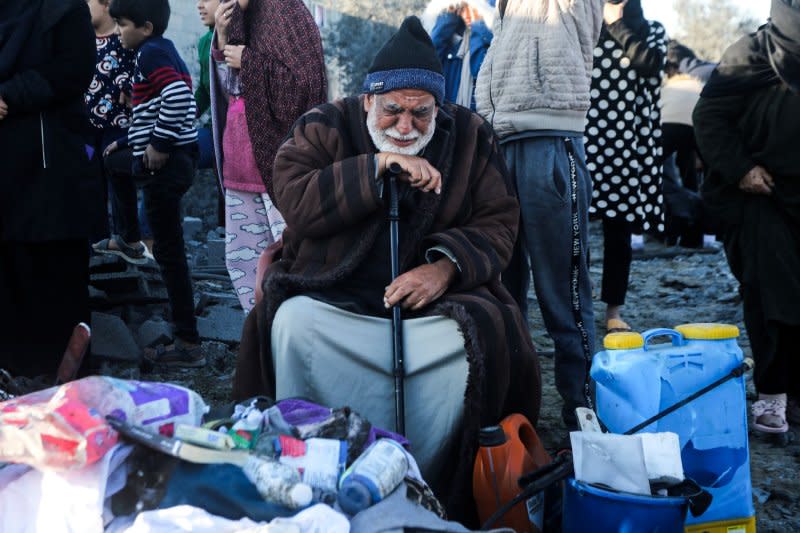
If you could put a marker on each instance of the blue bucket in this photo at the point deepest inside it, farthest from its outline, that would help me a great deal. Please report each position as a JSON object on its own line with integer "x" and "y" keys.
{"x": 590, "y": 508}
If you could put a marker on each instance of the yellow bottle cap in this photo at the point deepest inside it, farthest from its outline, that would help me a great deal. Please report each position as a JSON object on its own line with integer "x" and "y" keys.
{"x": 623, "y": 340}
{"x": 708, "y": 331}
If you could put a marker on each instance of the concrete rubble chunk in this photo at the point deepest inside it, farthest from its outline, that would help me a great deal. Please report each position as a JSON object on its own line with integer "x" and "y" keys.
{"x": 117, "y": 282}
{"x": 112, "y": 339}
{"x": 192, "y": 227}
{"x": 221, "y": 323}
{"x": 153, "y": 332}
{"x": 216, "y": 251}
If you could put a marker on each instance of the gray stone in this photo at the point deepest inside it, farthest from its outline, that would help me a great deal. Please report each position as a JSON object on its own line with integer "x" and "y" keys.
{"x": 117, "y": 282}
{"x": 154, "y": 331}
{"x": 112, "y": 339}
{"x": 221, "y": 323}
{"x": 192, "y": 226}
{"x": 216, "y": 251}
{"x": 103, "y": 263}
{"x": 217, "y": 233}
{"x": 761, "y": 495}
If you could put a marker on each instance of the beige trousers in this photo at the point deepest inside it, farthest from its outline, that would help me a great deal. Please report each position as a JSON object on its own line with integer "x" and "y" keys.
{"x": 337, "y": 358}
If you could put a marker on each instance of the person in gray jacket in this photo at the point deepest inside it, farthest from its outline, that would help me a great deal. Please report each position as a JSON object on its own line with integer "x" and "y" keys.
{"x": 533, "y": 88}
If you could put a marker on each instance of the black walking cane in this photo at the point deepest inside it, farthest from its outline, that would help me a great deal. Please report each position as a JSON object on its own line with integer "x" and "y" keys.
{"x": 397, "y": 322}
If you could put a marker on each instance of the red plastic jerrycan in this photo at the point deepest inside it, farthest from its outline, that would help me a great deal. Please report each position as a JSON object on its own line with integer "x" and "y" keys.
{"x": 507, "y": 452}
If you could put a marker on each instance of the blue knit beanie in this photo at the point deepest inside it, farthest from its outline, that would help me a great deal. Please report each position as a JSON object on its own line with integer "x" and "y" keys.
{"x": 408, "y": 60}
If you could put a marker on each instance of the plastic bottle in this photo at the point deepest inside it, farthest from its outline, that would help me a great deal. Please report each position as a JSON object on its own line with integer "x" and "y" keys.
{"x": 277, "y": 483}
{"x": 507, "y": 452}
{"x": 373, "y": 476}
{"x": 637, "y": 378}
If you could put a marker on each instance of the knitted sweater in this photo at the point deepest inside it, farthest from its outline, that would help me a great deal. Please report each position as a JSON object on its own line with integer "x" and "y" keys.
{"x": 164, "y": 109}
{"x": 537, "y": 73}
{"x": 202, "y": 95}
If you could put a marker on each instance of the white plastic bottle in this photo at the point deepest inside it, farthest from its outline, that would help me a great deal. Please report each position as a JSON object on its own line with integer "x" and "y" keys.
{"x": 373, "y": 476}
{"x": 277, "y": 483}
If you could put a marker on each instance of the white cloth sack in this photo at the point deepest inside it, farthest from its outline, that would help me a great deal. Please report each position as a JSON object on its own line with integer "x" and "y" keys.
{"x": 626, "y": 463}
{"x": 63, "y": 501}
{"x": 185, "y": 518}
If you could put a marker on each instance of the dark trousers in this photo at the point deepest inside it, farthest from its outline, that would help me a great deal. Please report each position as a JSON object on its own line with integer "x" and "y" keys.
{"x": 679, "y": 139}
{"x": 205, "y": 144}
{"x": 617, "y": 256}
{"x": 43, "y": 296}
{"x": 687, "y": 219}
{"x": 774, "y": 347}
{"x": 98, "y": 140}
{"x": 163, "y": 191}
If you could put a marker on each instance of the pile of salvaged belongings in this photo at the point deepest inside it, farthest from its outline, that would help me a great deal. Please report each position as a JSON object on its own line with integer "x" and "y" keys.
{"x": 105, "y": 454}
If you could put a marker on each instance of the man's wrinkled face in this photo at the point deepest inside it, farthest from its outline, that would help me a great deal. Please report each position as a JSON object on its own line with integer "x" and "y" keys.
{"x": 402, "y": 121}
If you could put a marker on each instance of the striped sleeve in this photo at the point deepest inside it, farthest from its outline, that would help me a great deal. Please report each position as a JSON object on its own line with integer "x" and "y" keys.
{"x": 177, "y": 103}
{"x": 317, "y": 195}
{"x": 165, "y": 101}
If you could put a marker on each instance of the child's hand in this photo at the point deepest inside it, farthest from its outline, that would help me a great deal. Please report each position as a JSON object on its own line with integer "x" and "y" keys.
{"x": 153, "y": 159}
{"x": 233, "y": 55}
{"x": 113, "y": 147}
{"x": 3, "y": 108}
{"x": 124, "y": 99}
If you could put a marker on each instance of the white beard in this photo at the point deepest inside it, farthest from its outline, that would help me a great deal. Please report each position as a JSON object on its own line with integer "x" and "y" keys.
{"x": 383, "y": 138}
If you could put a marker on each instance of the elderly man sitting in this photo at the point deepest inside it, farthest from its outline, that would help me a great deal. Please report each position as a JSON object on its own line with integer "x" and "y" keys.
{"x": 323, "y": 331}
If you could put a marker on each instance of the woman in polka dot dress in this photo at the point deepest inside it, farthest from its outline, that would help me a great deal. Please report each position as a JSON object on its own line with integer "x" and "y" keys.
{"x": 623, "y": 141}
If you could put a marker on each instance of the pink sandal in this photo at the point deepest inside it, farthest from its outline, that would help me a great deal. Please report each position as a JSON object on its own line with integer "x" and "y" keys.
{"x": 769, "y": 414}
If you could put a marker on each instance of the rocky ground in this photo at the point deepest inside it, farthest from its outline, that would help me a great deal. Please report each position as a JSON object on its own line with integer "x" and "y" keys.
{"x": 669, "y": 286}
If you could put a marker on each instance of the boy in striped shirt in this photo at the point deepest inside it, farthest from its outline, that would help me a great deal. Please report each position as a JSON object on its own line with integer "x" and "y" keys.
{"x": 161, "y": 151}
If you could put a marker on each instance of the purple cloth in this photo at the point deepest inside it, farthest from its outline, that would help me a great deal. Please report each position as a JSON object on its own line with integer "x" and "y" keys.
{"x": 300, "y": 412}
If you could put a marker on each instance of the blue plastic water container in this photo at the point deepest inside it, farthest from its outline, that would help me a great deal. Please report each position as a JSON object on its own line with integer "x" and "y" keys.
{"x": 590, "y": 508}
{"x": 637, "y": 379}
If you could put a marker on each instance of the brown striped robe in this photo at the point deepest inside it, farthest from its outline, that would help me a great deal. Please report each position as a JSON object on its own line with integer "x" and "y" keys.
{"x": 325, "y": 187}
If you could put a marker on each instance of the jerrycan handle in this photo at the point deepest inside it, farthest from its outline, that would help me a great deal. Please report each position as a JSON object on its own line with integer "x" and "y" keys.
{"x": 677, "y": 337}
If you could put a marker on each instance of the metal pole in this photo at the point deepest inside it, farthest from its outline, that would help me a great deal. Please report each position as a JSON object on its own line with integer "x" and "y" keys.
{"x": 397, "y": 322}
{"x": 737, "y": 372}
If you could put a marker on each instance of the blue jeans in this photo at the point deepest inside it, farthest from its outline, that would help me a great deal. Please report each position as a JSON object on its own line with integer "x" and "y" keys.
{"x": 555, "y": 189}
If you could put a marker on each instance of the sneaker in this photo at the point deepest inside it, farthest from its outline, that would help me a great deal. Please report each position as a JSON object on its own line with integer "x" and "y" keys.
{"x": 176, "y": 355}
